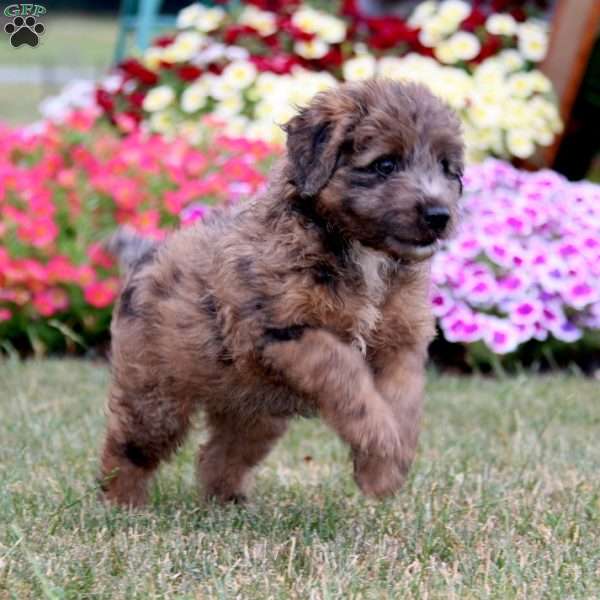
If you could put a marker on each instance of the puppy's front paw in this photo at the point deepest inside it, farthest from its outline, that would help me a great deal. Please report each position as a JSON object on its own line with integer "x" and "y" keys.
{"x": 378, "y": 476}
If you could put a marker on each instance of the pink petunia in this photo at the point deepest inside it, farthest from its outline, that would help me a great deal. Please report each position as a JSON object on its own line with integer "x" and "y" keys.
{"x": 101, "y": 293}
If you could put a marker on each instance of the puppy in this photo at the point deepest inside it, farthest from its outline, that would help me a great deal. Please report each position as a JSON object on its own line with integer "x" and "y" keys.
{"x": 312, "y": 299}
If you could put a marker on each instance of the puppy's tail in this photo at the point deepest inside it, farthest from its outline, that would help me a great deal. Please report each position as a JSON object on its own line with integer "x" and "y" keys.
{"x": 129, "y": 248}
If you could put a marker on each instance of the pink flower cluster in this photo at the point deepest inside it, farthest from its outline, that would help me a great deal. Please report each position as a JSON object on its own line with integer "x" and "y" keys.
{"x": 526, "y": 263}
{"x": 63, "y": 190}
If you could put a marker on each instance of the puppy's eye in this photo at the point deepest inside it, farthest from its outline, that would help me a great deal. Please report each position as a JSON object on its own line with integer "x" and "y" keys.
{"x": 385, "y": 165}
{"x": 445, "y": 163}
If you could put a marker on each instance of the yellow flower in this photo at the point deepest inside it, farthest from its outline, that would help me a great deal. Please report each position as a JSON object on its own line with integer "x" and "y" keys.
{"x": 311, "y": 49}
{"x": 520, "y": 143}
{"x": 158, "y": 98}
{"x": 194, "y": 97}
{"x": 465, "y": 46}
{"x": 501, "y": 24}
{"x": 361, "y": 67}
{"x": 239, "y": 74}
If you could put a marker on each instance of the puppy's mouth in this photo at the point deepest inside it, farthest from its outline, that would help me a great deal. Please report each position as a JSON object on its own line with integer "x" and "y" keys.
{"x": 412, "y": 250}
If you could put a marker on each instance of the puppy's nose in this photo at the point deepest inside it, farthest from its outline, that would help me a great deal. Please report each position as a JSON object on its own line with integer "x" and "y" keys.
{"x": 436, "y": 218}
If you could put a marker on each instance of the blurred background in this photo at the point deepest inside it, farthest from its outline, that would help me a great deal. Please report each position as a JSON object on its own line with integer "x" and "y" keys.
{"x": 82, "y": 37}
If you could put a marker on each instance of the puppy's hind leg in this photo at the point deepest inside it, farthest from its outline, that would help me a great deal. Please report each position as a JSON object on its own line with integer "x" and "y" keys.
{"x": 233, "y": 449}
{"x": 142, "y": 431}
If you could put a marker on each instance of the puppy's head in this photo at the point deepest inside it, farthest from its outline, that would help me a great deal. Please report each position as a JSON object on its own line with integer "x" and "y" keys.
{"x": 382, "y": 162}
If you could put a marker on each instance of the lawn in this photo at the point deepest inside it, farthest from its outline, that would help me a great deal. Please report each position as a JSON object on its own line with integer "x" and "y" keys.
{"x": 80, "y": 43}
{"x": 503, "y": 502}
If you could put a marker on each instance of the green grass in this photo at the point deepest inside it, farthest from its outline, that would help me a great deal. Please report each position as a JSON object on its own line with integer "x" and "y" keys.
{"x": 503, "y": 502}
{"x": 70, "y": 40}
{"x": 83, "y": 43}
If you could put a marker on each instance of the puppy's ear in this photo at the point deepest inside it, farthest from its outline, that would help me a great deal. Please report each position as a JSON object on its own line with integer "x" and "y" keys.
{"x": 313, "y": 146}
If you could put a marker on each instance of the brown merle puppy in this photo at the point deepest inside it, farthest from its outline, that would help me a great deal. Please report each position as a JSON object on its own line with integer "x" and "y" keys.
{"x": 312, "y": 299}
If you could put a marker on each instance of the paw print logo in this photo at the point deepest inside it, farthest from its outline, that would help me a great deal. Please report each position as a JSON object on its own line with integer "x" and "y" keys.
{"x": 24, "y": 31}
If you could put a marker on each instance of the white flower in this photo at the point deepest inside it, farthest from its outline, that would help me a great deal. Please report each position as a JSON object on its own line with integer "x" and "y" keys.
{"x": 332, "y": 30}
{"x": 229, "y": 107}
{"x": 153, "y": 57}
{"x": 210, "y": 54}
{"x": 239, "y": 74}
{"x": 194, "y": 97}
{"x": 455, "y": 11}
{"x": 511, "y": 59}
{"x": 422, "y": 12}
{"x": 361, "y": 67}
{"x": 327, "y": 27}
{"x": 446, "y": 53}
{"x": 311, "y": 49}
{"x": 162, "y": 122}
{"x": 264, "y": 22}
{"x": 158, "y": 98}
{"x": 236, "y": 53}
{"x": 533, "y": 42}
{"x": 390, "y": 67}
{"x": 210, "y": 19}
{"x": 434, "y": 31}
{"x": 519, "y": 143}
{"x": 189, "y": 15}
{"x": 112, "y": 82}
{"x": 185, "y": 46}
{"x": 219, "y": 88}
{"x": 501, "y": 24}
{"x": 465, "y": 46}
{"x": 520, "y": 85}
{"x": 306, "y": 19}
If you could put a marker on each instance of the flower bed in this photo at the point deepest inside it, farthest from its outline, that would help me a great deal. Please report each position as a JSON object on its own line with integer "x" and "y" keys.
{"x": 252, "y": 66}
{"x": 523, "y": 273}
{"x": 64, "y": 190}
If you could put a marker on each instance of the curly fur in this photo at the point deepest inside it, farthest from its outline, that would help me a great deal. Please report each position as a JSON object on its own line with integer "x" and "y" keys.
{"x": 307, "y": 300}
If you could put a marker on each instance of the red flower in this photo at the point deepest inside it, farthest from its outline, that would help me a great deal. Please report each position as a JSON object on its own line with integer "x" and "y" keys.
{"x": 281, "y": 64}
{"x": 387, "y": 32}
{"x": 189, "y": 72}
{"x": 333, "y": 59}
{"x": 474, "y": 20}
{"x": 136, "y": 70}
{"x": 288, "y": 27}
{"x": 136, "y": 99}
{"x": 492, "y": 45}
{"x": 104, "y": 100}
{"x": 164, "y": 41}
{"x": 234, "y": 32}
{"x": 350, "y": 8}
{"x": 519, "y": 14}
